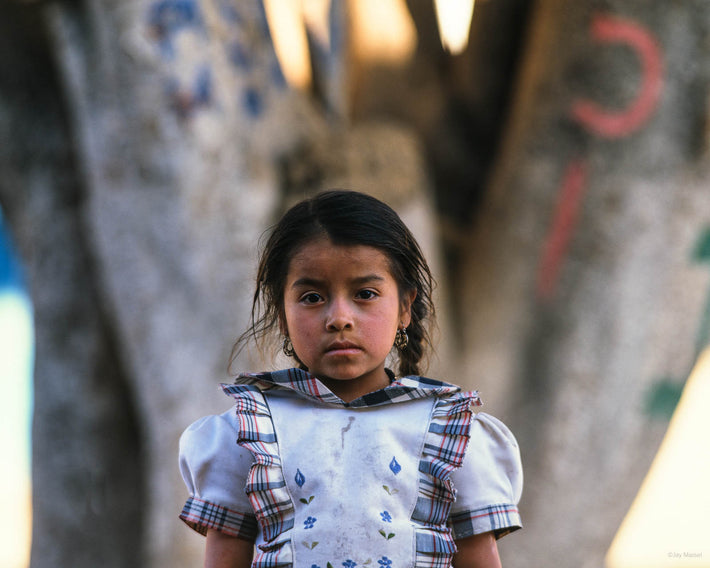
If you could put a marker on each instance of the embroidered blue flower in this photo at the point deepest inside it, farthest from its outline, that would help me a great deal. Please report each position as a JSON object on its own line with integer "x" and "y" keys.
{"x": 395, "y": 467}
{"x": 309, "y": 522}
{"x": 386, "y": 517}
{"x": 300, "y": 478}
{"x": 384, "y": 562}
{"x": 315, "y": 566}
{"x": 349, "y": 563}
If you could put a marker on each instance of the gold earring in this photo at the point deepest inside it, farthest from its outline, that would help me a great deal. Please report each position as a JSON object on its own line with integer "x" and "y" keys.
{"x": 287, "y": 347}
{"x": 401, "y": 339}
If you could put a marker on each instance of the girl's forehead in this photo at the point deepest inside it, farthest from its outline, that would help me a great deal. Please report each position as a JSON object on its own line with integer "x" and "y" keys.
{"x": 322, "y": 254}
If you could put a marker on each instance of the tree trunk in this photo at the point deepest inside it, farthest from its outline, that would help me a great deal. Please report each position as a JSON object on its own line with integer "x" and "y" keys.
{"x": 171, "y": 137}
{"x": 583, "y": 297}
{"x": 87, "y": 452}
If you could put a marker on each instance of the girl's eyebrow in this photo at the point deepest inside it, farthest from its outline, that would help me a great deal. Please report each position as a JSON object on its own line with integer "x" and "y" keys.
{"x": 360, "y": 280}
{"x": 314, "y": 282}
{"x": 306, "y": 282}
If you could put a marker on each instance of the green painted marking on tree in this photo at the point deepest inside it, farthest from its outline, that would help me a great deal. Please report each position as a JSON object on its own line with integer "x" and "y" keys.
{"x": 663, "y": 397}
{"x": 701, "y": 254}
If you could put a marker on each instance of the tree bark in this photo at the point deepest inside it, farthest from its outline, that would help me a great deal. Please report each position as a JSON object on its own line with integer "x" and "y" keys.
{"x": 87, "y": 453}
{"x": 582, "y": 294}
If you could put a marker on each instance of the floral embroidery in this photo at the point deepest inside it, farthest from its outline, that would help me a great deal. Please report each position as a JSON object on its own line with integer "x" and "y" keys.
{"x": 390, "y": 491}
{"x": 394, "y": 466}
{"x": 386, "y": 535}
{"x": 349, "y": 563}
{"x": 306, "y": 501}
{"x": 300, "y": 478}
{"x": 384, "y": 562}
{"x": 310, "y": 545}
{"x": 315, "y": 566}
{"x": 386, "y": 517}
{"x": 309, "y": 522}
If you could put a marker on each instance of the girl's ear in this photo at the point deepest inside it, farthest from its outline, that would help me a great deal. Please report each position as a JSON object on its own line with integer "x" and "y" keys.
{"x": 283, "y": 328}
{"x": 405, "y": 310}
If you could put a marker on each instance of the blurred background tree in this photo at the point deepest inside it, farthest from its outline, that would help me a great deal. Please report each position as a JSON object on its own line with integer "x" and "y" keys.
{"x": 553, "y": 169}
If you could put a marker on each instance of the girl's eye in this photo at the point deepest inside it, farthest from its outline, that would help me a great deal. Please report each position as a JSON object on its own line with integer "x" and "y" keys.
{"x": 311, "y": 298}
{"x": 366, "y": 294}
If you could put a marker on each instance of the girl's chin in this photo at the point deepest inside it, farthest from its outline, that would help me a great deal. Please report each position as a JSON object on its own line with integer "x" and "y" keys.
{"x": 369, "y": 381}
{"x": 336, "y": 377}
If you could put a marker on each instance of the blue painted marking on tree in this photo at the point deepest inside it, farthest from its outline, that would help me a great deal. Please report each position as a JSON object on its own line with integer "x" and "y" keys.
{"x": 10, "y": 270}
{"x": 202, "y": 92}
{"x": 186, "y": 101}
{"x": 239, "y": 56}
{"x": 168, "y": 17}
{"x": 229, "y": 13}
{"x": 253, "y": 102}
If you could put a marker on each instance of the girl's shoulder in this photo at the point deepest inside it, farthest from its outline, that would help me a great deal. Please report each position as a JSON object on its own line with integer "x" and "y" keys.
{"x": 486, "y": 428}
{"x": 211, "y": 424}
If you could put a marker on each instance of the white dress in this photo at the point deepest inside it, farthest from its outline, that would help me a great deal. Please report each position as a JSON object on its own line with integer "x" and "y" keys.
{"x": 389, "y": 480}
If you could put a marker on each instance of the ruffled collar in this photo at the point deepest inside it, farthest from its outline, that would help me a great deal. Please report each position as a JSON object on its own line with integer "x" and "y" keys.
{"x": 307, "y": 385}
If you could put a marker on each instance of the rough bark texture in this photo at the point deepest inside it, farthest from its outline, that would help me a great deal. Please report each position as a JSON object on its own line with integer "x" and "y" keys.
{"x": 174, "y": 199}
{"x": 88, "y": 482}
{"x": 147, "y": 144}
{"x": 584, "y": 298}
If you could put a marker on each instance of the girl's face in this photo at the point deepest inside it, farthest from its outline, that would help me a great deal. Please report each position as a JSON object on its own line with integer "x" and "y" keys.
{"x": 342, "y": 308}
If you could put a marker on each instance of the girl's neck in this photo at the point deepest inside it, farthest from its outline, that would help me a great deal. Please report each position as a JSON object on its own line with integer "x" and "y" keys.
{"x": 349, "y": 390}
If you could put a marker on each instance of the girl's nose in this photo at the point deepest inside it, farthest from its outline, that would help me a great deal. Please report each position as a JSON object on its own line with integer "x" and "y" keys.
{"x": 339, "y": 316}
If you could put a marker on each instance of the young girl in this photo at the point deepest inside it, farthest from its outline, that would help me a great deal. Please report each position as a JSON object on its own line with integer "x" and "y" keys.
{"x": 339, "y": 462}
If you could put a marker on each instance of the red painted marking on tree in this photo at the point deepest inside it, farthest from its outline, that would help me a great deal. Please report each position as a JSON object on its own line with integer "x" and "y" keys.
{"x": 615, "y": 124}
{"x": 569, "y": 201}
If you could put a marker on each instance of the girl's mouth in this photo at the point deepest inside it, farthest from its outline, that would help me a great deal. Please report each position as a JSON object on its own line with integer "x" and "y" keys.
{"x": 342, "y": 348}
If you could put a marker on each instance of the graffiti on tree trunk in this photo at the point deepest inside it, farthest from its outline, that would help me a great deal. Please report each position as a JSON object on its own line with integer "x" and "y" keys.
{"x": 606, "y": 124}
{"x": 612, "y": 125}
{"x": 183, "y": 32}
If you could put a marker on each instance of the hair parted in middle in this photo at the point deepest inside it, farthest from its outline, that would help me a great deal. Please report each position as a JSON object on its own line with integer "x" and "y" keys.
{"x": 346, "y": 218}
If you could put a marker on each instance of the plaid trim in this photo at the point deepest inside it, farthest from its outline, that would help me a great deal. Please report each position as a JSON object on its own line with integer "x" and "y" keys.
{"x": 502, "y": 519}
{"x": 265, "y": 486}
{"x": 434, "y": 549}
{"x": 201, "y": 515}
{"x": 274, "y": 555}
{"x": 399, "y": 390}
{"x": 444, "y": 450}
{"x": 422, "y": 560}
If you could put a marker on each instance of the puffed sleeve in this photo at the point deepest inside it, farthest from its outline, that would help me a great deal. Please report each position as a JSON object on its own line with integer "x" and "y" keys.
{"x": 489, "y": 483}
{"x": 215, "y": 470}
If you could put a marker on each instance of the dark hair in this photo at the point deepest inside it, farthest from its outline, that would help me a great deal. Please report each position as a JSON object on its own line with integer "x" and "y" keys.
{"x": 346, "y": 218}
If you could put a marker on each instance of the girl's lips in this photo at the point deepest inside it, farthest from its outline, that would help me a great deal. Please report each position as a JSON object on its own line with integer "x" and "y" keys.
{"x": 344, "y": 348}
